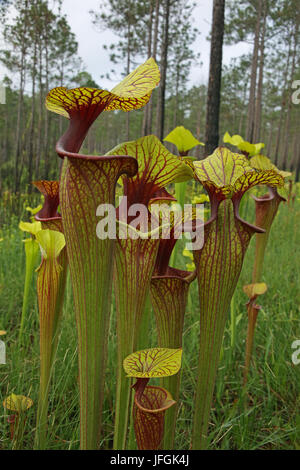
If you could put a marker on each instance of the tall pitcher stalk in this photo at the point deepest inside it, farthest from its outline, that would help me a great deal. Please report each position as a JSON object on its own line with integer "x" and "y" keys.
{"x": 184, "y": 141}
{"x": 226, "y": 177}
{"x": 169, "y": 293}
{"x": 135, "y": 257}
{"x": 87, "y": 186}
{"x": 169, "y": 297}
{"x": 50, "y": 290}
{"x": 151, "y": 403}
{"x": 266, "y": 208}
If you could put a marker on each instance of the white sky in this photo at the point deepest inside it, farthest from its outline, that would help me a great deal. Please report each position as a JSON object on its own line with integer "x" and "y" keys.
{"x": 96, "y": 59}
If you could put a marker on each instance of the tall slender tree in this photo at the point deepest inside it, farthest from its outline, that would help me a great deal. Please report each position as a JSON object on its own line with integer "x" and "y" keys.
{"x": 128, "y": 19}
{"x": 215, "y": 74}
{"x": 163, "y": 70}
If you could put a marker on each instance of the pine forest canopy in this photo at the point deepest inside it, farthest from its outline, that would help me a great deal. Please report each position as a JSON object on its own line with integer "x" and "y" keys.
{"x": 39, "y": 51}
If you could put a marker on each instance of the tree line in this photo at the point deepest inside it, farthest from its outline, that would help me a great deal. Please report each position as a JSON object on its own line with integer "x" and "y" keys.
{"x": 40, "y": 51}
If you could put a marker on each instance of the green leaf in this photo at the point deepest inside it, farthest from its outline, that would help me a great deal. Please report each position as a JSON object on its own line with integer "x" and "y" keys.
{"x": 244, "y": 146}
{"x": 35, "y": 210}
{"x": 253, "y": 290}
{"x": 33, "y": 228}
{"x": 261, "y": 162}
{"x": 157, "y": 168}
{"x": 135, "y": 90}
{"x": 234, "y": 140}
{"x": 155, "y": 362}
{"x": 227, "y": 173}
{"x": 51, "y": 243}
{"x": 200, "y": 199}
{"x": 183, "y": 139}
{"x": 17, "y": 403}
{"x": 188, "y": 254}
{"x": 132, "y": 93}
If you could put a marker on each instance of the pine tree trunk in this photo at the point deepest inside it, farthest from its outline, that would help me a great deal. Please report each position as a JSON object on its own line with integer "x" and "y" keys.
{"x": 128, "y": 71}
{"x": 18, "y": 150}
{"x": 270, "y": 139}
{"x": 252, "y": 95}
{"x": 199, "y": 123}
{"x": 294, "y": 153}
{"x": 164, "y": 66}
{"x": 32, "y": 126}
{"x": 145, "y": 127}
{"x": 258, "y": 100}
{"x": 41, "y": 109}
{"x": 215, "y": 74}
{"x": 242, "y": 123}
{"x": 176, "y": 101}
{"x": 288, "y": 116}
{"x": 46, "y": 136}
{"x": 6, "y": 133}
{"x": 154, "y": 54}
{"x": 283, "y": 105}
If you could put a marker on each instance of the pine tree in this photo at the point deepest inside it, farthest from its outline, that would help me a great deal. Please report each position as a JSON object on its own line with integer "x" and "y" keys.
{"x": 214, "y": 85}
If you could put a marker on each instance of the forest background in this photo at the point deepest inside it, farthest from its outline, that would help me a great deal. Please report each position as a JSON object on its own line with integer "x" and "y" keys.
{"x": 39, "y": 50}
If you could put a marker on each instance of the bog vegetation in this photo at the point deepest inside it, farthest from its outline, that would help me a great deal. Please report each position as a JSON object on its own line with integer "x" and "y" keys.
{"x": 137, "y": 342}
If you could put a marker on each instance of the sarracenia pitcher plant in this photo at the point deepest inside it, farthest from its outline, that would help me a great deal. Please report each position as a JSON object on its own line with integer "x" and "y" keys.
{"x": 151, "y": 402}
{"x": 184, "y": 141}
{"x": 135, "y": 256}
{"x": 50, "y": 219}
{"x": 245, "y": 147}
{"x": 252, "y": 291}
{"x": 50, "y": 290}
{"x": 169, "y": 293}
{"x": 51, "y": 287}
{"x": 48, "y": 214}
{"x": 87, "y": 182}
{"x": 226, "y": 176}
{"x": 17, "y": 406}
{"x": 266, "y": 208}
{"x": 31, "y": 259}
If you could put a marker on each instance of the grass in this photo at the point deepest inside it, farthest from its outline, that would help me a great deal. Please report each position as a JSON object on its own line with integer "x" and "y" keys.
{"x": 266, "y": 415}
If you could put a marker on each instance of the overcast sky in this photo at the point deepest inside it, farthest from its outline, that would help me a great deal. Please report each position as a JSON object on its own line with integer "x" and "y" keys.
{"x": 96, "y": 59}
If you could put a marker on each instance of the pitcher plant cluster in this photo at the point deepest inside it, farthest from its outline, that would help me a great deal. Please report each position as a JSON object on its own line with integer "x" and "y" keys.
{"x": 138, "y": 261}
